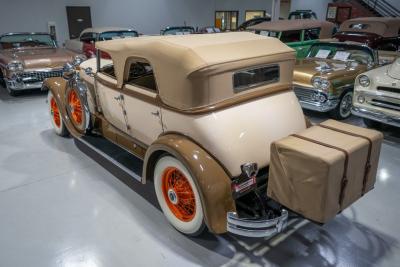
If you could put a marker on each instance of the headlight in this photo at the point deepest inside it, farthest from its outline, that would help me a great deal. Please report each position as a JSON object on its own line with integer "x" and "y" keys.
{"x": 15, "y": 66}
{"x": 364, "y": 80}
{"x": 316, "y": 82}
{"x": 325, "y": 84}
{"x": 361, "y": 99}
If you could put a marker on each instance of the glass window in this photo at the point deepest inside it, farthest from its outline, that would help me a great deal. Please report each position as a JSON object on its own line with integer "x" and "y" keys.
{"x": 245, "y": 79}
{"x": 311, "y": 34}
{"x": 226, "y": 20}
{"x": 141, "y": 74}
{"x": 88, "y": 37}
{"x": 107, "y": 66}
{"x": 341, "y": 52}
{"x": 291, "y": 36}
{"x": 359, "y": 26}
{"x": 26, "y": 40}
{"x": 254, "y": 14}
{"x": 105, "y": 36}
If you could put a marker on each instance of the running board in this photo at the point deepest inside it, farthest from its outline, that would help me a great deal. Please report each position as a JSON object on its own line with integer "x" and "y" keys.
{"x": 113, "y": 158}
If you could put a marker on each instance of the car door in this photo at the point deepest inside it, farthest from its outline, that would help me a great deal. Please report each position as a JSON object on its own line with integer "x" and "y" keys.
{"x": 110, "y": 97}
{"x": 140, "y": 102}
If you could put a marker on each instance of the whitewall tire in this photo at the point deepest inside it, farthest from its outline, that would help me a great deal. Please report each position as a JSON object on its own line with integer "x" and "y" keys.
{"x": 178, "y": 196}
{"x": 55, "y": 116}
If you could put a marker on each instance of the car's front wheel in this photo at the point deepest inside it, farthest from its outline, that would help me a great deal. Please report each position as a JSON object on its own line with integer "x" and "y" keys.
{"x": 178, "y": 196}
{"x": 55, "y": 116}
{"x": 343, "y": 109}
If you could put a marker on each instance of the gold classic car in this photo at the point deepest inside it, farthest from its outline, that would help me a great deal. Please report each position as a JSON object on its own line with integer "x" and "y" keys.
{"x": 26, "y": 59}
{"x": 324, "y": 80}
{"x": 377, "y": 95}
{"x": 201, "y": 111}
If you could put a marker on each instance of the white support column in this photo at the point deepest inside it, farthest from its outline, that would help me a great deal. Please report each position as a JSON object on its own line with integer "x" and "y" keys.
{"x": 276, "y": 9}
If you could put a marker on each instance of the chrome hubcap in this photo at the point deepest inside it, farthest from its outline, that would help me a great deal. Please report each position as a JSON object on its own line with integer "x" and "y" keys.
{"x": 172, "y": 196}
{"x": 345, "y": 106}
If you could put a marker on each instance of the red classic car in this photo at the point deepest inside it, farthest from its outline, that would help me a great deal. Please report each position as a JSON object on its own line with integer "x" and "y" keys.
{"x": 378, "y": 33}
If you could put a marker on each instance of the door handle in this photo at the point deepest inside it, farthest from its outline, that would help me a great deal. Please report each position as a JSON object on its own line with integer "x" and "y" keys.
{"x": 119, "y": 98}
{"x": 157, "y": 113}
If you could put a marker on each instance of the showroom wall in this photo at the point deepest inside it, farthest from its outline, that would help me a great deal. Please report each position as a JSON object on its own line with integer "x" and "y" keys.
{"x": 242, "y": 6}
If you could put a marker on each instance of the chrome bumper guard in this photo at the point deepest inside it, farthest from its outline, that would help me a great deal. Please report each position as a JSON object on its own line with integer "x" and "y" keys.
{"x": 376, "y": 116}
{"x": 14, "y": 85}
{"x": 256, "y": 227}
{"x": 318, "y": 106}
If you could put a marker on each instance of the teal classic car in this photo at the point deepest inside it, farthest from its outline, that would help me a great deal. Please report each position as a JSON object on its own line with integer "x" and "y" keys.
{"x": 298, "y": 34}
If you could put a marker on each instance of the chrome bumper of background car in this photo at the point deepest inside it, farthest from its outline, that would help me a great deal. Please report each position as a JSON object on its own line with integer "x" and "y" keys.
{"x": 306, "y": 100}
{"x": 376, "y": 116}
{"x": 256, "y": 227}
{"x": 15, "y": 85}
{"x": 318, "y": 106}
{"x": 31, "y": 79}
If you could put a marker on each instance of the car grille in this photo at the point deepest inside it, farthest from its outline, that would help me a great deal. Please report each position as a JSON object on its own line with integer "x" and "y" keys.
{"x": 388, "y": 89}
{"x": 40, "y": 75}
{"x": 385, "y": 104}
{"x": 303, "y": 94}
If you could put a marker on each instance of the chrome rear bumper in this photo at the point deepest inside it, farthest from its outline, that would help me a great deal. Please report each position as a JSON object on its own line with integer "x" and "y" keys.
{"x": 376, "y": 116}
{"x": 256, "y": 227}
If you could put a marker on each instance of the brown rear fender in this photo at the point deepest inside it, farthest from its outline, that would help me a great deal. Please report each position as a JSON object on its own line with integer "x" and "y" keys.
{"x": 58, "y": 87}
{"x": 212, "y": 181}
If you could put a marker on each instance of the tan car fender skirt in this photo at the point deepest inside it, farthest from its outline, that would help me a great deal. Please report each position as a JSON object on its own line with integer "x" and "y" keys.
{"x": 58, "y": 87}
{"x": 212, "y": 181}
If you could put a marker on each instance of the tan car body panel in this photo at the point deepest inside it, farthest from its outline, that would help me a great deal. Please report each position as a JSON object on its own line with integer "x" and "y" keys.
{"x": 213, "y": 182}
{"x": 37, "y": 58}
{"x": 306, "y": 69}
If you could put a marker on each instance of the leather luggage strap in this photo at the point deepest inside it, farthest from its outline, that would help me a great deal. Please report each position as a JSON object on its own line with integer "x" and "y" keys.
{"x": 346, "y": 163}
{"x": 368, "y": 163}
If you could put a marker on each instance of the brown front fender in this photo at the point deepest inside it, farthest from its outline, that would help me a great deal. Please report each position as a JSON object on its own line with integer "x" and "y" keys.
{"x": 58, "y": 86}
{"x": 213, "y": 183}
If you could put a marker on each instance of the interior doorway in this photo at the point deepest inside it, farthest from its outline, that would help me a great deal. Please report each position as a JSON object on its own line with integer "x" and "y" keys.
{"x": 79, "y": 18}
{"x": 226, "y": 20}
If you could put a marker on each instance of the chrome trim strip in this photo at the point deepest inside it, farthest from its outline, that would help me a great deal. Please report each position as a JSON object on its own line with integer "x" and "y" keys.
{"x": 256, "y": 227}
{"x": 376, "y": 116}
{"x": 383, "y": 105}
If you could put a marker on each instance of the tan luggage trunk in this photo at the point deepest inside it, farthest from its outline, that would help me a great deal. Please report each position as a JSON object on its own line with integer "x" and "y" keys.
{"x": 324, "y": 169}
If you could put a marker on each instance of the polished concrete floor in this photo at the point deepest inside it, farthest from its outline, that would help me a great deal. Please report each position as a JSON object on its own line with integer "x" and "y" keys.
{"x": 58, "y": 207}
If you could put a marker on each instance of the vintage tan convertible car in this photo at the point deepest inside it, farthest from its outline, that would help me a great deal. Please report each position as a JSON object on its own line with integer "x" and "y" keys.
{"x": 202, "y": 112}
{"x": 26, "y": 59}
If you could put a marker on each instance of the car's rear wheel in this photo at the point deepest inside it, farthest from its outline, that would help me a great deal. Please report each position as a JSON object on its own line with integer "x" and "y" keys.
{"x": 178, "y": 196}
{"x": 343, "y": 109}
{"x": 55, "y": 116}
{"x": 77, "y": 110}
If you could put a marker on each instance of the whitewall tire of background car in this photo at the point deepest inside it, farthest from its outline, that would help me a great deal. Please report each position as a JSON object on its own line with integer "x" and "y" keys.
{"x": 55, "y": 116}
{"x": 178, "y": 196}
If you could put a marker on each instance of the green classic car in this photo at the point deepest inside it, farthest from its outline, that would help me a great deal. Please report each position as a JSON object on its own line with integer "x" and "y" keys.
{"x": 298, "y": 34}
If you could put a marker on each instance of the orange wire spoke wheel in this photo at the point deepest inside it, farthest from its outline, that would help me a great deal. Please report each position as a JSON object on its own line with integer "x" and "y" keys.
{"x": 76, "y": 107}
{"x": 178, "y": 194}
{"x": 55, "y": 112}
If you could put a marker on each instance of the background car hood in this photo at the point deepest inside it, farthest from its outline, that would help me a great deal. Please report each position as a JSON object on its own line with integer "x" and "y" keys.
{"x": 394, "y": 70}
{"x": 39, "y": 57}
{"x": 305, "y": 69}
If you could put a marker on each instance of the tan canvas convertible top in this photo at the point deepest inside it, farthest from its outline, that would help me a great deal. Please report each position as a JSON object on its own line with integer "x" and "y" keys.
{"x": 386, "y": 27}
{"x": 183, "y": 64}
{"x": 300, "y": 24}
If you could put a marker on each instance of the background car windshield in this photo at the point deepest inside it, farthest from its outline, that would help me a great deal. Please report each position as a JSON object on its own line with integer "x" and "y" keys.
{"x": 26, "y": 40}
{"x": 341, "y": 53}
{"x": 178, "y": 31}
{"x": 105, "y": 36}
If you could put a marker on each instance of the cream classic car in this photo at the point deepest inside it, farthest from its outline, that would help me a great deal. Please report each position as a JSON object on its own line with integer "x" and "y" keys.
{"x": 26, "y": 59}
{"x": 377, "y": 95}
{"x": 202, "y": 112}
